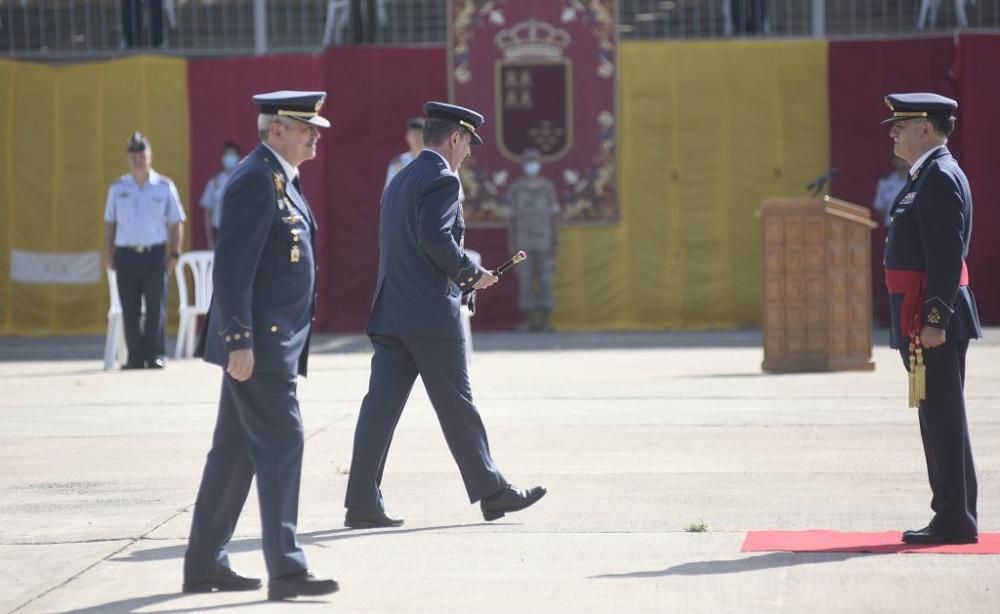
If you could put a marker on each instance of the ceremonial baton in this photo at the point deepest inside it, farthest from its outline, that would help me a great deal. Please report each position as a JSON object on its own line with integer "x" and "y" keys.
{"x": 515, "y": 259}
{"x": 503, "y": 268}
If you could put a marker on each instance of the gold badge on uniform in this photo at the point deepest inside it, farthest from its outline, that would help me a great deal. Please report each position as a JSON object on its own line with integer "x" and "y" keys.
{"x": 296, "y": 254}
{"x": 279, "y": 187}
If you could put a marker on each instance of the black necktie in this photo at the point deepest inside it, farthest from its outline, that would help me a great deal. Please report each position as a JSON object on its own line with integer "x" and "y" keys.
{"x": 298, "y": 185}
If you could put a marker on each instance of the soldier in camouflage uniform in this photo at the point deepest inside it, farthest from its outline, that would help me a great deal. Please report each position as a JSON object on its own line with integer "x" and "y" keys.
{"x": 533, "y": 216}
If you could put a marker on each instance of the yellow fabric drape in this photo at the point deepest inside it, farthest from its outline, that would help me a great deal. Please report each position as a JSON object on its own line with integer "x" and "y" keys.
{"x": 63, "y": 131}
{"x": 707, "y": 130}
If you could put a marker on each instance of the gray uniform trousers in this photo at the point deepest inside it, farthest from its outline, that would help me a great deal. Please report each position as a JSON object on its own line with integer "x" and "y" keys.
{"x": 443, "y": 367}
{"x": 258, "y": 432}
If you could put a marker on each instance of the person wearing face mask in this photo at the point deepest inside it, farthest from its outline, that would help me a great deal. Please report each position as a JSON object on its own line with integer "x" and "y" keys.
{"x": 416, "y": 328}
{"x": 532, "y": 211}
{"x": 414, "y": 144}
{"x": 211, "y": 198}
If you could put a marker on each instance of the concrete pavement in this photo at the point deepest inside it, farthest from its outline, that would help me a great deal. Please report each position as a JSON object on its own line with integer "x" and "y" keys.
{"x": 638, "y": 437}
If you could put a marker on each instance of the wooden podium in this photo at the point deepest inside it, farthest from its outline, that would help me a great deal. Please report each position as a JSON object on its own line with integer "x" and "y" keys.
{"x": 816, "y": 301}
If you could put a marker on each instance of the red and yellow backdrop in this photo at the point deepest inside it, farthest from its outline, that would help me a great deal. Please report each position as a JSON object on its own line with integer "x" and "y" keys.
{"x": 707, "y": 129}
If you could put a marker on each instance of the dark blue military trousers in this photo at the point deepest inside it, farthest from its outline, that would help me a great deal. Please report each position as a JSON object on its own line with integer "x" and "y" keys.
{"x": 143, "y": 275}
{"x": 258, "y": 432}
{"x": 945, "y": 434}
{"x": 443, "y": 367}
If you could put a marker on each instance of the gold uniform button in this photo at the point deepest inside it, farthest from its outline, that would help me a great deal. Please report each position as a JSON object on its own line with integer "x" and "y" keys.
{"x": 274, "y": 329}
{"x": 228, "y": 338}
{"x": 470, "y": 279}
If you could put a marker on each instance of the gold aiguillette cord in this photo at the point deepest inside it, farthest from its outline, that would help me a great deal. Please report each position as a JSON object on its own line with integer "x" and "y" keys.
{"x": 918, "y": 372}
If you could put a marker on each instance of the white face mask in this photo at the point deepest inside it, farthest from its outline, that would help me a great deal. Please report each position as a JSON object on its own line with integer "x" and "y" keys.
{"x": 532, "y": 168}
{"x": 230, "y": 160}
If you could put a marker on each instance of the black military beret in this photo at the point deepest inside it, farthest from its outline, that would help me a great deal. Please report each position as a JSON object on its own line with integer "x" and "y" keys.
{"x": 919, "y": 106}
{"x": 466, "y": 118}
{"x": 302, "y": 106}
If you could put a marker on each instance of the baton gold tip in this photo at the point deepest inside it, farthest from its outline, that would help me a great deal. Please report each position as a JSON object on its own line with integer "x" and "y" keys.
{"x": 519, "y": 257}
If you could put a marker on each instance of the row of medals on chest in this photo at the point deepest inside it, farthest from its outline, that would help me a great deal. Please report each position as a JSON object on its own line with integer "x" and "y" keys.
{"x": 284, "y": 204}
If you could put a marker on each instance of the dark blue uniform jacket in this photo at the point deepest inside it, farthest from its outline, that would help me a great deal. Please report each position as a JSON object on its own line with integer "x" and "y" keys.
{"x": 264, "y": 272}
{"x": 930, "y": 230}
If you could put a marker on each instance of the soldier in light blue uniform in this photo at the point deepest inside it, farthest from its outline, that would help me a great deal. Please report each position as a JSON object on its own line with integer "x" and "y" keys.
{"x": 414, "y": 144}
{"x": 258, "y": 330}
{"x": 142, "y": 241}
{"x": 211, "y": 198}
{"x": 416, "y": 328}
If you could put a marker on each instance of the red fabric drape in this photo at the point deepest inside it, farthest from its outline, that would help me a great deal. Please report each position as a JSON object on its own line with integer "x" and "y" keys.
{"x": 977, "y": 71}
{"x": 221, "y": 109}
{"x": 860, "y": 74}
{"x": 371, "y": 93}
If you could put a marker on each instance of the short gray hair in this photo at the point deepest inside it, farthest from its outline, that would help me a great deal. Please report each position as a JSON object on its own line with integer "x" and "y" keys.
{"x": 264, "y": 121}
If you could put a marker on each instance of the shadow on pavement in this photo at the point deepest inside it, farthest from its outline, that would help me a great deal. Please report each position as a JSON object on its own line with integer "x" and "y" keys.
{"x": 313, "y": 538}
{"x": 771, "y": 560}
{"x": 137, "y": 603}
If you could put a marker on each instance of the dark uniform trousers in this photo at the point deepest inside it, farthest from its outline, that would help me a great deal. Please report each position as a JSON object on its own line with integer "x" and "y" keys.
{"x": 443, "y": 367}
{"x": 143, "y": 274}
{"x": 258, "y": 432}
{"x": 945, "y": 434}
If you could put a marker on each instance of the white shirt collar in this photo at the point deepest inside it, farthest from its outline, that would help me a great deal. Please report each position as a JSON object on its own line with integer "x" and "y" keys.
{"x": 290, "y": 171}
{"x": 153, "y": 179}
{"x": 438, "y": 154}
{"x": 920, "y": 161}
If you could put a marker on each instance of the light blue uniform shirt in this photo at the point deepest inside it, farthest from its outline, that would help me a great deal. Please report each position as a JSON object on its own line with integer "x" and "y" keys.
{"x": 211, "y": 199}
{"x": 143, "y": 214}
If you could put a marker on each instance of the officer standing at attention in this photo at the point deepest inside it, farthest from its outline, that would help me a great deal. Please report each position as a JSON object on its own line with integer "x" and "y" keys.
{"x": 258, "y": 330}
{"x": 414, "y": 144}
{"x": 416, "y": 328}
{"x": 142, "y": 242}
{"x": 533, "y": 210}
{"x": 932, "y": 310}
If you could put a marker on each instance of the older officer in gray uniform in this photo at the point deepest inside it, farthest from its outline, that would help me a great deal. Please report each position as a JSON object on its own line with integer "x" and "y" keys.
{"x": 416, "y": 328}
{"x": 142, "y": 242}
{"x": 258, "y": 330}
{"x": 533, "y": 211}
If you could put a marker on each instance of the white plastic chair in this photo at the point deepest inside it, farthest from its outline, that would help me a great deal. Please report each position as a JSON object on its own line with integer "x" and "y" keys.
{"x": 114, "y": 339}
{"x": 195, "y": 304}
{"x": 476, "y": 259}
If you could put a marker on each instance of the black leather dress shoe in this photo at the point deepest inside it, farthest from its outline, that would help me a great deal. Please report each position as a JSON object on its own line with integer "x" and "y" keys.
{"x": 928, "y": 535}
{"x": 510, "y": 499}
{"x": 224, "y": 579}
{"x": 370, "y": 520}
{"x": 156, "y": 363}
{"x": 129, "y": 366}
{"x": 301, "y": 584}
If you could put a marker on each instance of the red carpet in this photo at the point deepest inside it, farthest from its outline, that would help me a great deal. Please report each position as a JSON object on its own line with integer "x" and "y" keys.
{"x": 877, "y": 543}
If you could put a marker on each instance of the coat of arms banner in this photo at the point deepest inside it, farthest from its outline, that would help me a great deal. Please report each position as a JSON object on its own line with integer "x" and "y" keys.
{"x": 545, "y": 76}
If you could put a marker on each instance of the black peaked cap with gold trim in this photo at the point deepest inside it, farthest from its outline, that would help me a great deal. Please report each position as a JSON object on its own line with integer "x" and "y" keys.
{"x": 919, "y": 106}
{"x": 302, "y": 106}
{"x": 466, "y": 118}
